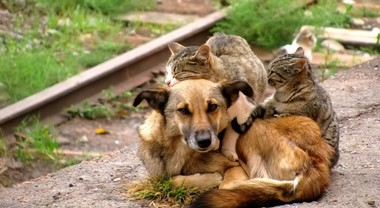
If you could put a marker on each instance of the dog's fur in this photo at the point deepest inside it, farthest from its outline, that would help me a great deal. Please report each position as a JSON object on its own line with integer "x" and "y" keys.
{"x": 285, "y": 158}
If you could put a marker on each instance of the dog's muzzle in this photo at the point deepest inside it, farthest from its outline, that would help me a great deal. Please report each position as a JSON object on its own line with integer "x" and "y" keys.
{"x": 203, "y": 139}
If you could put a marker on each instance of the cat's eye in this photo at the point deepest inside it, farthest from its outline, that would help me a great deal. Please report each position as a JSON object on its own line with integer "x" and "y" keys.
{"x": 184, "y": 111}
{"x": 212, "y": 107}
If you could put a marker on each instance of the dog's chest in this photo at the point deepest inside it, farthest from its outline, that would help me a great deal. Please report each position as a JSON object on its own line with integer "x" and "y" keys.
{"x": 177, "y": 160}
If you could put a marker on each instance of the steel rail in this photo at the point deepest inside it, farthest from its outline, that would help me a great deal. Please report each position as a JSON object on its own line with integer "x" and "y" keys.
{"x": 125, "y": 72}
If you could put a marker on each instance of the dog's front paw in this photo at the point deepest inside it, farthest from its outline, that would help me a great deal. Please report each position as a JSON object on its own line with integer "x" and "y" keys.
{"x": 205, "y": 180}
{"x": 231, "y": 155}
{"x": 212, "y": 179}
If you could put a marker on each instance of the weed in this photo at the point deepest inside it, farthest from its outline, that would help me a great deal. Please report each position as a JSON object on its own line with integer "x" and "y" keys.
{"x": 109, "y": 104}
{"x": 153, "y": 29}
{"x": 121, "y": 103}
{"x": 89, "y": 111}
{"x": 272, "y": 23}
{"x": 35, "y": 137}
{"x": 163, "y": 191}
{"x": 3, "y": 147}
{"x": 108, "y": 95}
{"x": 375, "y": 50}
{"x": 363, "y": 12}
{"x": 329, "y": 68}
{"x": 106, "y": 7}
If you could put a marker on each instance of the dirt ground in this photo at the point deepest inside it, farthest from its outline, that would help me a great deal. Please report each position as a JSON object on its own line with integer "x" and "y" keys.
{"x": 355, "y": 180}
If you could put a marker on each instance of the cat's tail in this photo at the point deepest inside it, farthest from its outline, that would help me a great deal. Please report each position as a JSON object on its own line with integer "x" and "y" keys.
{"x": 257, "y": 112}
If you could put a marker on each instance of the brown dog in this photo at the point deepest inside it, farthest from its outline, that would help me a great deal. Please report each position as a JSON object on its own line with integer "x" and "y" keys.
{"x": 285, "y": 158}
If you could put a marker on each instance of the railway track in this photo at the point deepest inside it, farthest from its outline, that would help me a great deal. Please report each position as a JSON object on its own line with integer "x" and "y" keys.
{"x": 123, "y": 72}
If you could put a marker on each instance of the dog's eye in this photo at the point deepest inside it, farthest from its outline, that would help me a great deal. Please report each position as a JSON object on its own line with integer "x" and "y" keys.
{"x": 184, "y": 111}
{"x": 212, "y": 107}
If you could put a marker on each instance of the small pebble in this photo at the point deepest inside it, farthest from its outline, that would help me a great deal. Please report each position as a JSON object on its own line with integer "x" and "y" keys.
{"x": 371, "y": 202}
{"x": 83, "y": 139}
{"x": 116, "y": 179}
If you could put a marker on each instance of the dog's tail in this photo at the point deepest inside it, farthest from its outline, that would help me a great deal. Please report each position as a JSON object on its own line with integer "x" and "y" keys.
{"x": 256, "y": 192}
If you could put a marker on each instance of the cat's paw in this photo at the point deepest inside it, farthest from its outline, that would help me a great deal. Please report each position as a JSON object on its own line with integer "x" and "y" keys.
{"x": 231, "y": 155}
{"x": 282, "y": 115}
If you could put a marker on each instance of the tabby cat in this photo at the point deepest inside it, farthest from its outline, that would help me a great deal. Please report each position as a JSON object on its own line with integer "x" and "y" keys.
{"x": 297, "y": 93}
{"x": 222, "y": 57}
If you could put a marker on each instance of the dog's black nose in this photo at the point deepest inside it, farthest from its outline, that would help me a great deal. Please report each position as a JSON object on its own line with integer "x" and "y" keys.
{"x": 203, "y": 138}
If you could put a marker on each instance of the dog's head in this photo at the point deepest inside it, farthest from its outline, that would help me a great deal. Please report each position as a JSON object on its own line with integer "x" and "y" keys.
{"x": 197, "y": 109}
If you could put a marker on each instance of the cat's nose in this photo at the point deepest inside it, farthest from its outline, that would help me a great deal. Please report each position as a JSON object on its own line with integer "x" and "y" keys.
{"x": 167, "y": 82}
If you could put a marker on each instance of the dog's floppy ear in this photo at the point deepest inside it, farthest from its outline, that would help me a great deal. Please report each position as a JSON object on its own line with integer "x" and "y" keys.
{"x": 156, "y": 98}
{"x": 230, "y": 90}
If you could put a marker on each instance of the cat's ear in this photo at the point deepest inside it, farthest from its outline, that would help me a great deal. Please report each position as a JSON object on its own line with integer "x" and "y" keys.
{"x": 203, "y": 53}
{"x": 230, "y": 90}
{"x": 156, "y": 98}
{"x": 301, "y": 65}
{"x": 300, "y": 51}
{"x": 175, "y": 47}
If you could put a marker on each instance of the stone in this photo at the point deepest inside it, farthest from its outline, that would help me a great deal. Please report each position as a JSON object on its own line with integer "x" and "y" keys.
{"x": 358, "y": 22}
{"x": 332, "y": 45}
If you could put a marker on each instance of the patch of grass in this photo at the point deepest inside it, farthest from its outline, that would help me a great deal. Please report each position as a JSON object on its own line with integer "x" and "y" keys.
{"x": 162, "y": 191}
{"x": 363, "y": 12}
{"x": 106, "y": 7}
{"x": 109, "y": 105}
{"x": 374, "y": 50}
{"x": 272, "y": 23}
{"x": 3, "y": 147}
{"x": 35, "y": 139}
{"x": 151, "y": 28}
{"x": 25, "y": 73}
{"x": 90, "y": 111}
{"x": 330, "y": 68}
{"x": 60, "y": 39}
{"x": 120, "y": 103}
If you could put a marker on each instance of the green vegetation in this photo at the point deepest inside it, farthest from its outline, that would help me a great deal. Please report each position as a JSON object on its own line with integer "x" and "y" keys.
{"x": 109, "y": 105}
{"x": 53, "y": 40}
{"x": 272, "y": 23}
{"x": 153, "y": 29}
{"x": 362, "y": 12}
{"x": 3, "y": 147}
{"x": 106, "y": 7}
{"x": 35, "y": 140}
{"x": 163, "y": 191}
{"x": 89, "y": 111}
